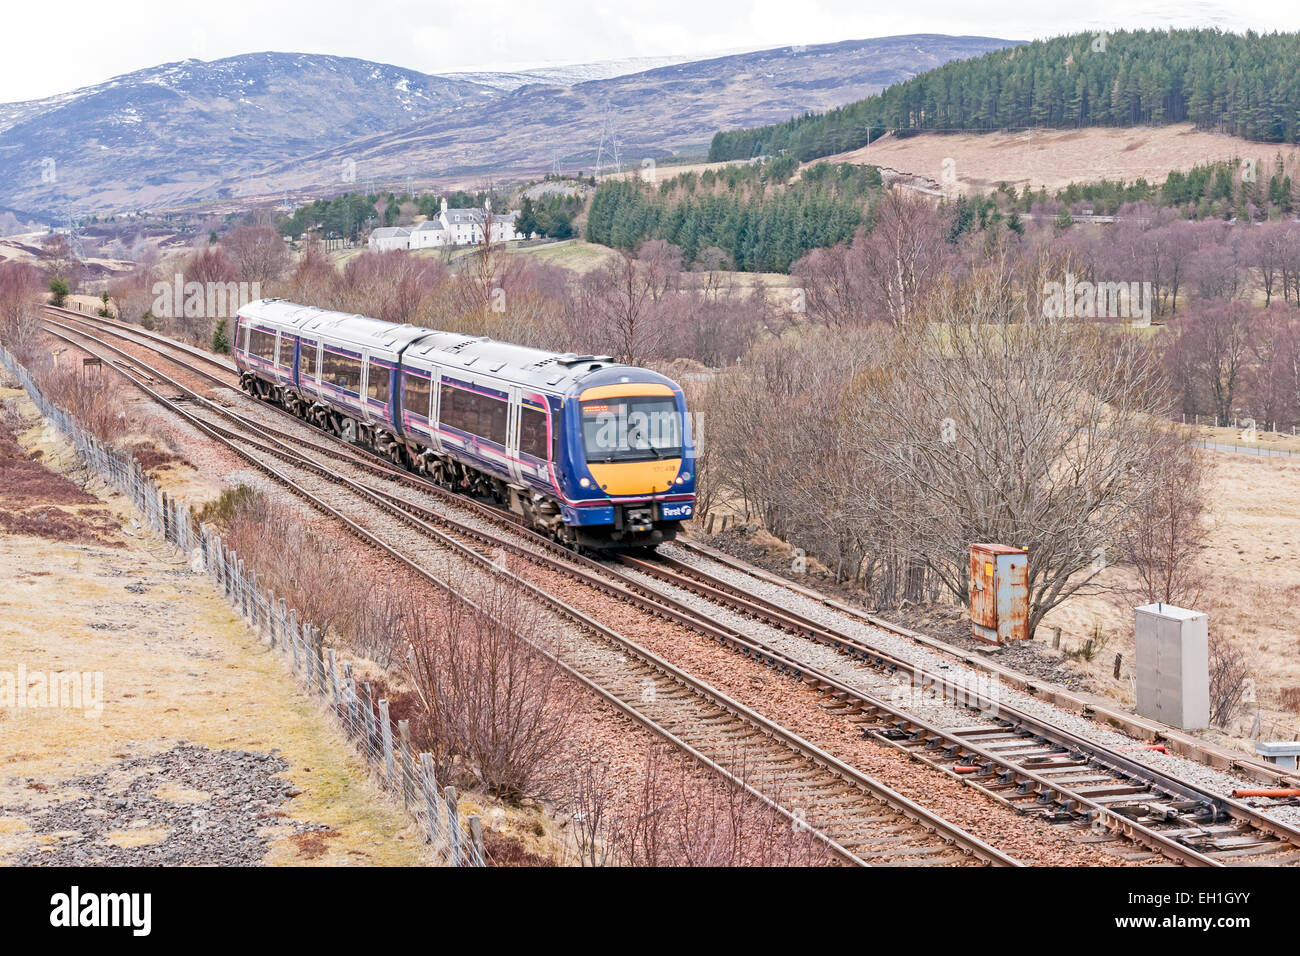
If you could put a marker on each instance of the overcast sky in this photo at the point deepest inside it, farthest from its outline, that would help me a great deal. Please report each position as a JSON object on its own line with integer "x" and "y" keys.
{"x": 54, "y": 46}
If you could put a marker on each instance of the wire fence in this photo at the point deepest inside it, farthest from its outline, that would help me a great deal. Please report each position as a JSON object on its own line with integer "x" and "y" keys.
{"x": 456, "y": 840}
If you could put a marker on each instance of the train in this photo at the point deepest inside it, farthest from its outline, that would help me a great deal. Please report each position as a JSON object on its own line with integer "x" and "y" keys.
{"x": 586, "y": 450}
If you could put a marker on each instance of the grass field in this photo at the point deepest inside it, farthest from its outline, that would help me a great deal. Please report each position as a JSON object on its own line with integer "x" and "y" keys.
{"x": 1252, "y": 563}
{"x": 1057, "y": 158}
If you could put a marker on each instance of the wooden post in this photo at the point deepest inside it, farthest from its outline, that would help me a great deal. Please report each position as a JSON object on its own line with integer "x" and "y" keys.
{"x": 317, "y": 649}
{"x": 294, "y": 626}
{"x": 1056, "y": 638}
{"x": 163, "y": 509}
{"x": 476, "y": 837}
{"x": 404, "y": 734}
{"x": 350, "y": 698}
{"x": 271, "y": 608}
{"x": 430, "y": 784}
{"x": 334, "y": 675}
{"x": 370, "y": 717}
{"x": 294, "y": 645}
{"x": 1119, "y": 659}
{"x": 386, "y": 732}
{"x": 453, "y": 825}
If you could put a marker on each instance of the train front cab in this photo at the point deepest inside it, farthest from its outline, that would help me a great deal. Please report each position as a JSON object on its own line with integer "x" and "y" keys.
{"x": 631, "y": 480}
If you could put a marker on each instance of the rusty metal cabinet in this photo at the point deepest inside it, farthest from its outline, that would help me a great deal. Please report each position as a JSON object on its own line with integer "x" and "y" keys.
{"x": 999, "y": 593}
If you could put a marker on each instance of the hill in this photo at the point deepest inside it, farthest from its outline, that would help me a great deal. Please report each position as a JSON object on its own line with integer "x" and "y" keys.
{"x": 269, "y": 122}
{"x": 179, "y": 130}
{"x": 1053, "y": 159}
{"x": 1247, "y": 85}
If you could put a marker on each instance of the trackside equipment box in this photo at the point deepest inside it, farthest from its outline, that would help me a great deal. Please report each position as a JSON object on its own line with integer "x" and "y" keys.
{"x": 999, "y": 593}
{"x": 1173, "y": 665}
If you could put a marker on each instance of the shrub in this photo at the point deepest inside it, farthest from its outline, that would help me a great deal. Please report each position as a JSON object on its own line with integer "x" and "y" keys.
{"x": 58, "y": 292}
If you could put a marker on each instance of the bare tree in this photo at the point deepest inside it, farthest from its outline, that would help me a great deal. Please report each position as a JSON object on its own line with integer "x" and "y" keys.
{"x": 1229, "y": 680}
{"x": 619, "y": 302}
{"x": 499, "y": 708}
{"x": 1169, "y": 530}
{"x": 257, "y": 253}
{"x": 20, "y": 290}
{"x": 998, "y": 422}
{"x": 883, "y": 274}
{"x": 1214, "y": 345}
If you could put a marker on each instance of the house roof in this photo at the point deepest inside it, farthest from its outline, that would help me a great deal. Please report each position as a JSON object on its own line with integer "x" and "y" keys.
{"x": 390, "y": 232}
{"x": 430, "y": 225}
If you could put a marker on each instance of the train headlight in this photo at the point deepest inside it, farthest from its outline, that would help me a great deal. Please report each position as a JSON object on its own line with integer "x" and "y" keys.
{"x": 683, "y": 478}
{"x": 585, "y": 482}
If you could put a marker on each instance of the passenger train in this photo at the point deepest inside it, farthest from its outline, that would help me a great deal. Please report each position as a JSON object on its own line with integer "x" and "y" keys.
{"x": 592, "y": 452}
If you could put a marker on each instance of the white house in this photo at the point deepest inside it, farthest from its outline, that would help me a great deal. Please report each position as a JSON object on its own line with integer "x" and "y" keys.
{"x": 430, "y": 234}
{"x": 465, "y": 226}
{"x": 451, "y": 227}
{"x": 389, "y": 237}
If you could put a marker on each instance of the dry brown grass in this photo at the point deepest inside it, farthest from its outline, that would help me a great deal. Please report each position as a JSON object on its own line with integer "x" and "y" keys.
{"x": 1252, "y": 564}
{"x": 1056, "y": 159}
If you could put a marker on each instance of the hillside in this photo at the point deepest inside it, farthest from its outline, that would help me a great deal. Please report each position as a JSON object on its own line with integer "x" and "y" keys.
{"x": 265, "y": 123}
{"x": 1247, "y": 85}
{"x": 178, "y": 130}
{"x": 1055, "y": 158}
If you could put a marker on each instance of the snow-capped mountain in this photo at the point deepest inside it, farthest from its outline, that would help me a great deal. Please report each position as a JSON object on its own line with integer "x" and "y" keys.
{"x": 261, "y": 123}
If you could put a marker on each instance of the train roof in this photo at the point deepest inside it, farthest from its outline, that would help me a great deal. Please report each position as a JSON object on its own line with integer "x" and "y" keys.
{"x": 550, "y": 371}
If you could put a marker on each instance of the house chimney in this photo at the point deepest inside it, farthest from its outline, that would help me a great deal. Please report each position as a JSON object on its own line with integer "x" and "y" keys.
{"x": 443, "y": 209}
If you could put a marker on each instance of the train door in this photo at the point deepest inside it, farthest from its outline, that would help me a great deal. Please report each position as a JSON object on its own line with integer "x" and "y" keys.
{"x": 364, "y": 391}
{"x": 275, "y": 356}
{"x": 435, "y": 409}
{"x": 512, "y": 434}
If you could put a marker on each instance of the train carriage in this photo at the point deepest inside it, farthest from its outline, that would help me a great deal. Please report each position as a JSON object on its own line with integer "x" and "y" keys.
{"x": 588, "y": 450}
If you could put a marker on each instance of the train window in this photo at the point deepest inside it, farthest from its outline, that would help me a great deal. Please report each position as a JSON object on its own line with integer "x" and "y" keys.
{"x": 532, "y": 432}
{"x": 377, "y": 384}
{"x": 634, "y": 428}
{"x": 457, "y": 411}
{"x": 417, "y": 394}
{"x": 475, "y": 413}
{"x": 341, "y": 371}
{"x": 261, "y": 344}
{"x": 493, "y": 415}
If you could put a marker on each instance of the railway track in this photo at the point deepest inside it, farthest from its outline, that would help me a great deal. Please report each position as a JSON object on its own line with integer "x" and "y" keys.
{"x": 856, "y": 818}
{"x": 1016, "y": 758}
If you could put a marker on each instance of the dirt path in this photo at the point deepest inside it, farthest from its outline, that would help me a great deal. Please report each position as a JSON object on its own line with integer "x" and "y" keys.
{"x": 139, "y": 721}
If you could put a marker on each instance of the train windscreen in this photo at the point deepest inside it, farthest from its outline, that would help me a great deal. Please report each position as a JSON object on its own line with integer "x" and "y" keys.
{"x": 634, "y": 428}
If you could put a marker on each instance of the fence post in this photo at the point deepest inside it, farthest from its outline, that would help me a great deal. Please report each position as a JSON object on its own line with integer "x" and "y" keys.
{"x": 453, "y": 825}
{"x": 294, "y": 626}
{"x": 370, "y": 717}
{"x": 430, "y": 784}
{"x": 270, "y": 615}
{"x": 294, "y": 644}
{"x": 350, "y": 698}
{"x": 404, "y": 734}
{"x": 386, "y": 732}
{"x": 163, "y": 514}
{"x": 317, "y": 650}
{"x": 476, "y": 839}
{"x": 307, "y": 635}
{"x": 334, "y": 676}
